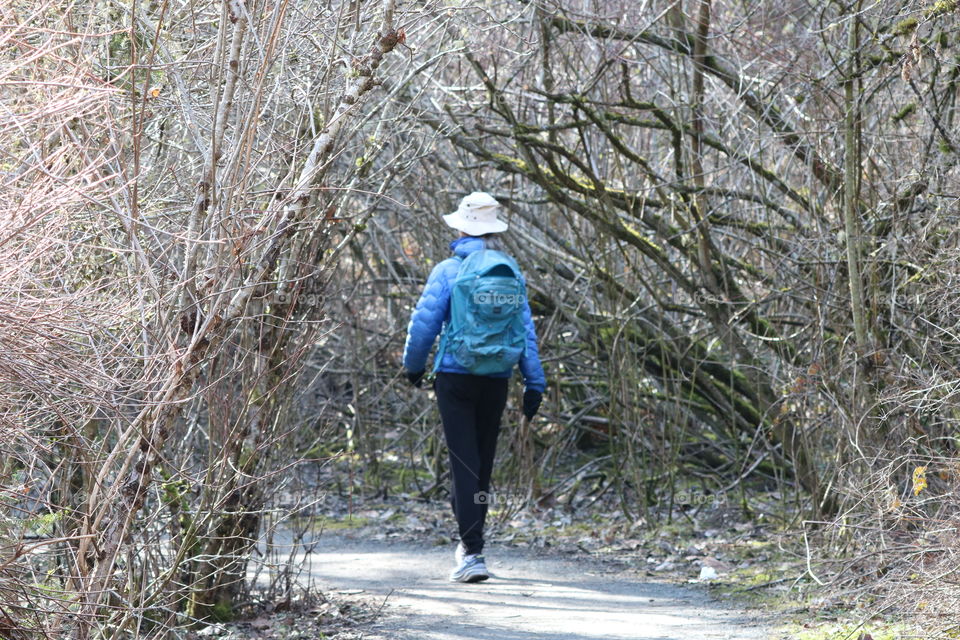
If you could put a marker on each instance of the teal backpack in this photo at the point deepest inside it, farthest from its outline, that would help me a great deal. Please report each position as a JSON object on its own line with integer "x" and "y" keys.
{"x": 486, "y": 333}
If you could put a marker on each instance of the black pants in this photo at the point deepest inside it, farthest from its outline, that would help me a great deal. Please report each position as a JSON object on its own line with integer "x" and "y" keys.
{"x": 470, "y": 408}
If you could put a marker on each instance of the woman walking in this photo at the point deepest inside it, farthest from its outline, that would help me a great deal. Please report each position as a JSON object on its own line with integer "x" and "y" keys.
{"x": 477, "y": 299}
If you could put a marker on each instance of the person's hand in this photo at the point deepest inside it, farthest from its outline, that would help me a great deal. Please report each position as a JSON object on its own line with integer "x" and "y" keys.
{"x": 531, "y": 402}
{"x": 415, "y": 377}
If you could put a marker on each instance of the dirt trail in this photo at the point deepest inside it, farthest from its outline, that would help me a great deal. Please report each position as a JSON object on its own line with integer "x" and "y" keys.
{"x": 529, "y": 596}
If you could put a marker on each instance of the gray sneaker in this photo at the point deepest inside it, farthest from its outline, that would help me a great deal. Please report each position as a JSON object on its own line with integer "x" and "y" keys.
{"x": 472, "y": 569}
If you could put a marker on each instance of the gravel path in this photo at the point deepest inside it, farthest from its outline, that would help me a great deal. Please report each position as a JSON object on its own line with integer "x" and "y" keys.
{"x": 528, "y": 596}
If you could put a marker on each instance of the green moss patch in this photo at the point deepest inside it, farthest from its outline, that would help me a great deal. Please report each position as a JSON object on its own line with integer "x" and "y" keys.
{"x": 905, "y": 112}
{"x": 877, "y": 630}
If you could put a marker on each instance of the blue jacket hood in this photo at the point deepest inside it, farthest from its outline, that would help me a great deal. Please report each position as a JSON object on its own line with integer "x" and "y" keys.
{"x": 466, "y": 245}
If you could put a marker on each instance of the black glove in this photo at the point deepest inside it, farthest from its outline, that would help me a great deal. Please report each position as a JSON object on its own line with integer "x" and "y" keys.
{"x": 531, "y": 402}
{"x": 415, "y": 377}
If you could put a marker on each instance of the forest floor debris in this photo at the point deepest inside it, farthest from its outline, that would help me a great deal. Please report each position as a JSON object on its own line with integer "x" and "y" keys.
{"x": 755, "y": 565}
{"x": 331, "y": 616}
{"x": 531, "y": 594}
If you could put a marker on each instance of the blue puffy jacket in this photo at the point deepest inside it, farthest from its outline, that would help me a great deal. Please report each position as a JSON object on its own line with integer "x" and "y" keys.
{"x": 433, "y": 312}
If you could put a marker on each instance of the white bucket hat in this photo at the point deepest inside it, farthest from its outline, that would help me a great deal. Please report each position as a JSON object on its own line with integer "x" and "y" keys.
{"x": 476, "y": 215}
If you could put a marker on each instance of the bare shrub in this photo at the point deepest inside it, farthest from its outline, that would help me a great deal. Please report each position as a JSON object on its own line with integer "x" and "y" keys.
{"x": 179, "y": 180}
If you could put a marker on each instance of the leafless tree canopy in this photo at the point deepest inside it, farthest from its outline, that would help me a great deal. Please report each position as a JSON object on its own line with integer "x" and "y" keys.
{"x": 738, "y": 221}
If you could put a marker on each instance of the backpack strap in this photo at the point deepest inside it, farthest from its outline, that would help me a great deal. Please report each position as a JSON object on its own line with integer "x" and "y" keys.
{"x": 441, "y": 349}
